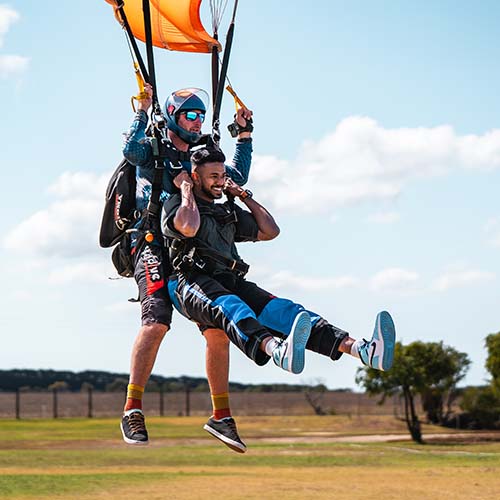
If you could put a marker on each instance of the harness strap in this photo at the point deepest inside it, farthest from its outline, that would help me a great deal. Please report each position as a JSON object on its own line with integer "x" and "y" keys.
{"x": 231, "y": 264}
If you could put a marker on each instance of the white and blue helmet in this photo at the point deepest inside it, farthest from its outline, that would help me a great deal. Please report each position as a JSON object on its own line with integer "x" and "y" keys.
{"x": 185, "y": 100}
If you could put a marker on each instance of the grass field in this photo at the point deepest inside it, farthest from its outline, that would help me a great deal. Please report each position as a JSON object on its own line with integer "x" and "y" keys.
{"x": 289, "y": 457}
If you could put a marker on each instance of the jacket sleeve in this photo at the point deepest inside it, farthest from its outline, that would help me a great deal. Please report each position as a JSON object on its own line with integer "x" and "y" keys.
{"x": 240, "y": 168}
{"x": 137, "y": 149}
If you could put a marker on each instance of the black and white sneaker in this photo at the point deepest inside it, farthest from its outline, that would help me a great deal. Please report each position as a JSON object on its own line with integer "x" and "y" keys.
{"x": 133, "y": 427}
{"x": 226, "y": 431}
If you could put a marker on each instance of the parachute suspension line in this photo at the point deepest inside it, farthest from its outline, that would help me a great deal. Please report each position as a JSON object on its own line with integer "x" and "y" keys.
{"x": 222, "y": 77}
{"x": 132, "y": 44}
{"x": 217, "y": 9}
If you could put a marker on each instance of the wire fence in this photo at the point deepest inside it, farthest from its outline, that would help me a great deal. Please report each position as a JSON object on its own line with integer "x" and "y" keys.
{"x": 91, "y": 403}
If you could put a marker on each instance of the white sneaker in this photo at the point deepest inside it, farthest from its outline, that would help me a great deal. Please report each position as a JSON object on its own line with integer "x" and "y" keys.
{"x": 378, "y": 352}
{"x": 290, "y": 354}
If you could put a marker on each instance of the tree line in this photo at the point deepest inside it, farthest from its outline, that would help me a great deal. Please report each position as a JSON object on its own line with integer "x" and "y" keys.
{"x": 42, "y": 380}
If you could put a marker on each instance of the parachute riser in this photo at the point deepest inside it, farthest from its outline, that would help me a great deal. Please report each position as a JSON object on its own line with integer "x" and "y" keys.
{"x": 222, "y": 77}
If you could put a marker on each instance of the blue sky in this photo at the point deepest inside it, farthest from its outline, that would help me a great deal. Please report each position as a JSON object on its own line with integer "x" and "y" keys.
{"x": 377, "y": 148}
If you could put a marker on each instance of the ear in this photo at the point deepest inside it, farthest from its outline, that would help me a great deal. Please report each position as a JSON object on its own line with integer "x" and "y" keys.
{"x": 196, "y": 178}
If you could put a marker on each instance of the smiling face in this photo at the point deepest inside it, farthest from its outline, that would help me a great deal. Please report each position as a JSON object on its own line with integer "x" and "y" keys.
{"x": 209, "y": 180}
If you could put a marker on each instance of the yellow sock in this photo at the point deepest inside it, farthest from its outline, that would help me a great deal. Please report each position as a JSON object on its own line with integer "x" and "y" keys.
{"x": 220, "y": 404}
{"x": 134, "y": 397}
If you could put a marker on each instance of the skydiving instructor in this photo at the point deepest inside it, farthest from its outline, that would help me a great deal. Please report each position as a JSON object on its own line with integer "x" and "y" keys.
{"x": 184, "y": 112}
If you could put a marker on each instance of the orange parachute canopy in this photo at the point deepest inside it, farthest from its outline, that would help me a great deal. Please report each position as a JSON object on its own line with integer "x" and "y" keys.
{"x": 175, "y": 24}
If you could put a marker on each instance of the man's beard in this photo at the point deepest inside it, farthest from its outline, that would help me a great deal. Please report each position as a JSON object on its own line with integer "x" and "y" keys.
{"x": 209, "y": 193}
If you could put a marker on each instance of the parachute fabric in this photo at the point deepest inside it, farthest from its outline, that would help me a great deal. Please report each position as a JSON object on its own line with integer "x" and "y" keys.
{"x": 175, "y": 24}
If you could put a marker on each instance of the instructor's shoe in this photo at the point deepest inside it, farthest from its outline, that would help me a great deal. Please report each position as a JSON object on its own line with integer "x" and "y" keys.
{"x": 290, "y": 354}
{"x": 134, "y": 428}
{"x": 378, "y": 353}
{"x": 226, "y": 431}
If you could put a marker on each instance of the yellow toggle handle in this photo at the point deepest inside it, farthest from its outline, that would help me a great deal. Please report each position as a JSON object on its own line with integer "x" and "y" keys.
{"x": 140, "y": 82}
{"x": 237, "y": 101}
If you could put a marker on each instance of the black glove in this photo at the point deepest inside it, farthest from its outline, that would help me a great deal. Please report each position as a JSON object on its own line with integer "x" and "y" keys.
{"x": 235, "y": 128}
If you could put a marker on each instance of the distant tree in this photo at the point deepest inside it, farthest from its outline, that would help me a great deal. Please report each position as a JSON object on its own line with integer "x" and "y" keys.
{"x": 482, "y": 407}
{"x": 482, "y": 404}
{"x": 444, "y": 367}
{"x": 314, "y": 394}
{"x": 493, "y": 359}
{"x": 430, "y": 370}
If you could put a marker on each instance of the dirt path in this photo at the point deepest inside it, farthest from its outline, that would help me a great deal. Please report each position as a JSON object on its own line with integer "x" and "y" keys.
{"x": 461, "y": 437}
{"x": 385, "y": 438}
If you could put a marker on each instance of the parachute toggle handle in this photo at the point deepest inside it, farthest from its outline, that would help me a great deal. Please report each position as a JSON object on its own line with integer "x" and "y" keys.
{"x": 140, "y": 82}
{"x": 237, "y": 101}
{"x": 235, "y": 128}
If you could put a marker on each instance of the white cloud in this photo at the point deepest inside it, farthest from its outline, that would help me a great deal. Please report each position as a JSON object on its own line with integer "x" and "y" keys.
{"x": 394, "y": 280}
{"x": 384, "y": 217}
{"x": 11, "y": 65}
{"x": 287, "y": 279}
{"x": 81, "y": 272}
{"x": 361, "y": 161}
{"x": 461, "y": 278}
{"x": 8, "y": 16}
{"x": 80, "y": 185}
{"x": 68, "y": 227}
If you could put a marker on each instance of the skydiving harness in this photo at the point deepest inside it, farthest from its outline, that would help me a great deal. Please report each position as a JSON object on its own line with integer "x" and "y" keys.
{"x": 120, "y": 215}
{"x": 194, "y": 255}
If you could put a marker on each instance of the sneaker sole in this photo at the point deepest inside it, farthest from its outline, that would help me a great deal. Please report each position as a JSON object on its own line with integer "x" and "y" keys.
{"x": 299, "y": 335}
{"x": 387, "y": 335}
{"x": 238, "y": 447}
{"x": 131, "y": 441}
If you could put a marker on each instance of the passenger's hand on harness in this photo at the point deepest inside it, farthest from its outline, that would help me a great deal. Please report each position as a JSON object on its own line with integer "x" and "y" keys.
{"x": 145, "y": 104}
{"x": 182, "y": 178}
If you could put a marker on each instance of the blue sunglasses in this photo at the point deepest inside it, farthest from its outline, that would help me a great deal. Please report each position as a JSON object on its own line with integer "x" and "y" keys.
{"x": 193, "y": 115}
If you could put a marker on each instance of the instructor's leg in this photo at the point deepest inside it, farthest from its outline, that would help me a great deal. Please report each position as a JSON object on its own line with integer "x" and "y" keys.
{"x": 217, "y": 366}
{"x": 221, "y": 424}
{"x": 156, "y": 315}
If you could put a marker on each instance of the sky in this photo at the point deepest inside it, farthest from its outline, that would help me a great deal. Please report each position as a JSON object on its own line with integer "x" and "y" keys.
{"x": 376, "y": 148}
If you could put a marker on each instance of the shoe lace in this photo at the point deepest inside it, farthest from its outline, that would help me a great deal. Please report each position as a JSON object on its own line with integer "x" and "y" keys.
{"x": 232, "y": 426}
{"x": 136, "y": 422}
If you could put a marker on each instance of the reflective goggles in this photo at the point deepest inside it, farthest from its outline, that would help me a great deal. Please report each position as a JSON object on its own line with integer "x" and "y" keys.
{"x": 193, "y": 115}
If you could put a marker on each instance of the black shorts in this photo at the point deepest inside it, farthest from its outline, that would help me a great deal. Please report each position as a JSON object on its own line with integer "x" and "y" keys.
{"x": 151, "y": 271}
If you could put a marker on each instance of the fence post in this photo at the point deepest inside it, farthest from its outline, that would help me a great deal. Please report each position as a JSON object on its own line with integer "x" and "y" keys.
{"x": 90, "y": 403}
{"x": 188, "y": 402}
{"x": 54, "y": 402}
{"x": 18, "y": 404}
{"x": 162, "y": 412}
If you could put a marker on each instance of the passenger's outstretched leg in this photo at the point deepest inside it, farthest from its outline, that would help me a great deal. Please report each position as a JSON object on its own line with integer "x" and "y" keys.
{"x": 378, "y": 352}
{"x": 206, "y": 301}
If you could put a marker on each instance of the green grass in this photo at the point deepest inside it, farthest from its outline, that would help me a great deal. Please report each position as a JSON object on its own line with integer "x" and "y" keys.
{"x": 85, "y": 458}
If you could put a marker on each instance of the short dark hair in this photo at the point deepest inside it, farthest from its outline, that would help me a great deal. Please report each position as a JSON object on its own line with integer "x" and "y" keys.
{"x": 208, "y": 154}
